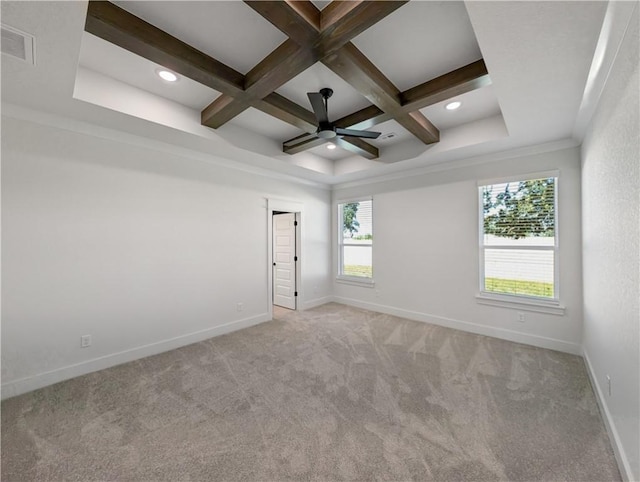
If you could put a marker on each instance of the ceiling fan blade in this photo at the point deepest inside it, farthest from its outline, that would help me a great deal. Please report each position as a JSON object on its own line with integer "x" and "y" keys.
{"x": 354, "y": 133}
{"x": 317, "y": 102}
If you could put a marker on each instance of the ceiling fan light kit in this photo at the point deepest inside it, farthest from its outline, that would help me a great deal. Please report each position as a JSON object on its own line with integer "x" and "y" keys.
{"x": 326, "y": 133}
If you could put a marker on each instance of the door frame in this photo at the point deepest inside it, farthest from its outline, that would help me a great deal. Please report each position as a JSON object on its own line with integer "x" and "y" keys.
{"x": 283, "y": 226}
{"x": 287, "y": 206}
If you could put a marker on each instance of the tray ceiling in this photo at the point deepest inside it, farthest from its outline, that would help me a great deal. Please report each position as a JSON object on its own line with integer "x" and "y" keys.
{"x": 235, "y": 34}
{"x": 538, "y": 54}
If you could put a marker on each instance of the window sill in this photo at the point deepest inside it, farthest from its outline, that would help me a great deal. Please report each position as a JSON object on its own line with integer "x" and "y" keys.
{"x": 350, "y": 280}
{"x": 524, "y": 304}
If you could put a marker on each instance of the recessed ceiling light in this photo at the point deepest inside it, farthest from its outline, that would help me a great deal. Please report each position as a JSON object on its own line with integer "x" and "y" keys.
{"x": 453, "y": 105}
{"x": 167, "y": 75}
{"x": 331, "y": 146}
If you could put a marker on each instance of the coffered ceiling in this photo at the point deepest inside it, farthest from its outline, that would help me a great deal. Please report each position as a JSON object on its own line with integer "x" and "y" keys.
{"x": 383, "y": 58}
{"x": 317, "y": 51}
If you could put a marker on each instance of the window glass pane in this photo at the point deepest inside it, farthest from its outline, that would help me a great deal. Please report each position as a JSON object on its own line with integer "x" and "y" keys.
{"x": 518, "y": 222}
{"x": 523, "y": 272}
{"x": 356, "y": 239}
{"x": 519, "y": 213}
{"x": 357, "y": 225}
{"x": 357, "y": 261}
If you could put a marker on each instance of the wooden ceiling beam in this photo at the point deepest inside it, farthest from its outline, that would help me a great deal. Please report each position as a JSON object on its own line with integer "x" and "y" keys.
{"x": 357, "y": 146}
{"x": 342, "y": 21}
{"x": 303, "y": 145}
{"x": 277, "y": 68}
{"x": 457, "y": 82}
{"x": 300, "y": 21}
{"x": 284, "y": 63}
{"x": 419, "y": 126}
{"x": 116, "y": 25}
{"x": 352, "y": 144}
{"x": 313, "y": 35}
{"x": 327, "y": 30}
{"x": 364, "y": 118}
{"x": 298, "y": 139}
{"x": 288, "y": 111}
{"x": 221, "y": 110}
{"x": 355, "y": 68}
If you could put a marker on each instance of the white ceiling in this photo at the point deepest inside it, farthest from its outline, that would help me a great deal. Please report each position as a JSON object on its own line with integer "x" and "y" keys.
{"x": 424, "y": 24}
{"x": 228, "y": 31}
{"x": 538, "y": 55}
{"x": 477, "y": 104}
{"x": 420, "y": 41}
{"x": 104, "y": 57}
{"x": 344, "y": 101}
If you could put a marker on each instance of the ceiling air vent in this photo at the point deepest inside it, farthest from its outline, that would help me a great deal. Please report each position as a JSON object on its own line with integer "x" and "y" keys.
{"x": 18, "y": 44}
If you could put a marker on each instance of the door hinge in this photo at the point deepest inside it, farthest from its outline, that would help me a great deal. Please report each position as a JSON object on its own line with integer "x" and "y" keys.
{"x": 295, "y": 293}
{"x": 295, "y": 258}
{"x": 295, "y": 223}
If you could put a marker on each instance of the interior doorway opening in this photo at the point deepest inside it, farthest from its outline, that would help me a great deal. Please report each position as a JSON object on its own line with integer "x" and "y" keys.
{"x": 284, "y": 269}
{"x": 285, "y": 258}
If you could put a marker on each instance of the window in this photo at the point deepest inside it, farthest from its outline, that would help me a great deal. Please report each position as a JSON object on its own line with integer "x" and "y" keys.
{"x": 355, "y": 240}
{"x": 518, "y": 238}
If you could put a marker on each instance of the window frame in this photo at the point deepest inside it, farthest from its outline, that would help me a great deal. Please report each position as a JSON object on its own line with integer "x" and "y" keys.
{"x": 521, "y": 301}
{"x": 340, "y": 276}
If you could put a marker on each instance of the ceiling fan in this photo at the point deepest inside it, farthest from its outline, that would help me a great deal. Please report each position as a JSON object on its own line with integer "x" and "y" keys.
{"x": 326, "y": 129}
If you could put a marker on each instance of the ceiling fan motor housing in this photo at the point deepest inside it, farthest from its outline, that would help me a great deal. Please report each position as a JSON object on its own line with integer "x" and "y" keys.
{"x": 326, "y": 131}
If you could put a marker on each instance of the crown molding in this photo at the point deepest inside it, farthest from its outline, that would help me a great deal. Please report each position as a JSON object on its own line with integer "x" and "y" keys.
{"x": 615, "y": 26}
{"x": 465, "y": 162}
{"x": 83, "y": 127}
{"x": 54, "y": 120}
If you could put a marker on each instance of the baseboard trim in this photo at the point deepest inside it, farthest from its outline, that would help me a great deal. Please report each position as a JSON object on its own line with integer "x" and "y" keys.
{"x": 24, "y": 385}
{"x": 616, "y": 443}
{"x": 502, "y": 333}
{"x": 317, "y": 302}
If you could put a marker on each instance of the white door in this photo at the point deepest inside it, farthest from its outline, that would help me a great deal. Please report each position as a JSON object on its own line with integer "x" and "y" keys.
{"x": 284, "y": 266}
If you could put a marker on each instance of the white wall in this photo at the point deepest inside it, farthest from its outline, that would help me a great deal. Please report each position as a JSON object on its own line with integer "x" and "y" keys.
{"x": 611, "y": 247}
{"x": 425, "y": 252}
{"x": 134, "y": 246}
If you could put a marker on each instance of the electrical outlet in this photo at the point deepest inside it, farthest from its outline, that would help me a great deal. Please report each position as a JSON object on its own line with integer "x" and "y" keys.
{"x": 85, "y": 341}
{"x": 240, "y": 306}
{"x": 609, "y": 384}
{"x": 377, "y": 293}
{"x": 520, "y": 316}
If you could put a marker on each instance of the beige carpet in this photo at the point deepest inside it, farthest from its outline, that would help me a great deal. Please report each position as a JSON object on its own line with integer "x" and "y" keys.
{"x": 333, "y": 393}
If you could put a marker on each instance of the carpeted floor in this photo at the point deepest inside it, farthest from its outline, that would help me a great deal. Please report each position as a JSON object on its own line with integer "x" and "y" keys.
{"x": 333, "y": 393}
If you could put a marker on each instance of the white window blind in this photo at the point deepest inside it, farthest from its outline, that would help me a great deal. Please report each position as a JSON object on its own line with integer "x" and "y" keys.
{"x": 355, "y": 239}
{"x": 518, "y": 243}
